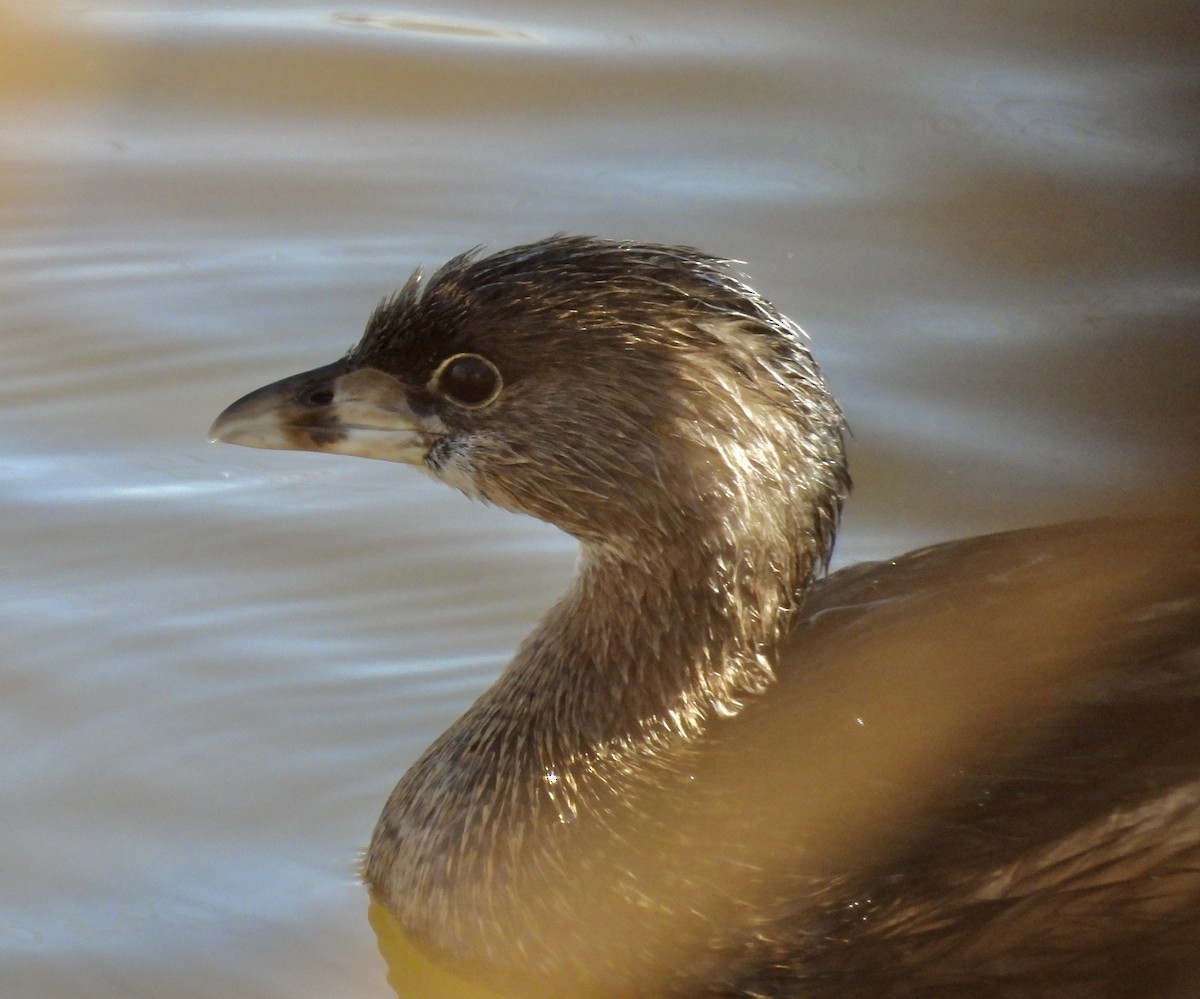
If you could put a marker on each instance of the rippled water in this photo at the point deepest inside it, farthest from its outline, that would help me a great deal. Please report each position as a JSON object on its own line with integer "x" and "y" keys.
{"x": 217, "y": 661}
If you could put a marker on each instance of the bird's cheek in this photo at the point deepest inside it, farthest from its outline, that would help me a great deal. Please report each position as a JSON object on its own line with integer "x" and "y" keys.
{"x": 451, "y": 459}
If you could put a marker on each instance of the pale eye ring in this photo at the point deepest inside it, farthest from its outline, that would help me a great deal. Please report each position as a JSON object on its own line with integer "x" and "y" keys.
{"x": 467, "y": 380}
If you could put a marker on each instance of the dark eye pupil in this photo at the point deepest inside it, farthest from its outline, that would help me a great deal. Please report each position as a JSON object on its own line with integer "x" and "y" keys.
{"x": 469, "y": 380}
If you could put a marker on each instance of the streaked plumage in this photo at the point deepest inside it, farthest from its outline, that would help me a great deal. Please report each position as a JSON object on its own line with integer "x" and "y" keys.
{"x": 971, "y": 771}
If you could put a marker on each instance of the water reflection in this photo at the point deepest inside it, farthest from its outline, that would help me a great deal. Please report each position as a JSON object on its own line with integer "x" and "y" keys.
{"x": 409, "y": 972}
{"x": 452, "y": 31}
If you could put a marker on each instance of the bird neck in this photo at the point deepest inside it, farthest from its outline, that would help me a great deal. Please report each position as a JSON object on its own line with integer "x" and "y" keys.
{"x": 647, "y": 648}
{"x": 657, "y": 638}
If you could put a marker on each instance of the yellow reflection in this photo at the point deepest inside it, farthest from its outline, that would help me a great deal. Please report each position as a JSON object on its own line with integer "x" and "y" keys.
{"x": 410, "y": 974}
{"x": 51, "y": 53}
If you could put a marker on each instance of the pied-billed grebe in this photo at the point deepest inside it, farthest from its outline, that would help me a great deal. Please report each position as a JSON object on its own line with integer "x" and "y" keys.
{"x": 971, "y": 771}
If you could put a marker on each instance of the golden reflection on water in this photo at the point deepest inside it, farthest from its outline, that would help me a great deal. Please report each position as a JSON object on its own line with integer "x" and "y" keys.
{"x": 410, "y": 973}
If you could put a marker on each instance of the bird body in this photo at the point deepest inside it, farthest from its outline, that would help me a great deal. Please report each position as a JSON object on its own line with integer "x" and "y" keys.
{"x": 710, "y": 772}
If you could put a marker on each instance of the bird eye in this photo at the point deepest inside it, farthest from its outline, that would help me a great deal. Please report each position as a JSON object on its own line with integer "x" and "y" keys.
{"x": 467, "y": 380}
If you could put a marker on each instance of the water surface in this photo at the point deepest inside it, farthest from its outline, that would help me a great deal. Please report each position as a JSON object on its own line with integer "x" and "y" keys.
{"x": 217, "y": 661}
